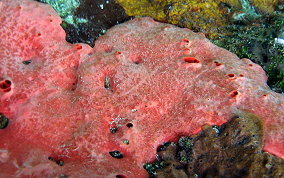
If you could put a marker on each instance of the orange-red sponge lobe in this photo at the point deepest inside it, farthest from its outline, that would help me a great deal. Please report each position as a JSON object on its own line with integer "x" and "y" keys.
{"x": 103, "y": 111}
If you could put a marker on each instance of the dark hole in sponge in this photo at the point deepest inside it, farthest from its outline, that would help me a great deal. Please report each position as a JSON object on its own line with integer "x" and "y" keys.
{"x": 107, "y": 82}
{"x": 8, "y": 82}
{"x": 234, "y": 93}
{"x": 5, "y": 84}
{"x": 113, "y": 129}
{"x": 74, "y": 86}
{"x": 3, "y": 121}
{"x": 129, "y": 125}
{"x": 59, "y": 162}
{"x": 51, "y": 159}
{"x": 191, "y": 60}
{"x": 136, "y": 59}
{"x": 27, "y": 62}
{"x": 217, "y": 63}
{"x": 163, "y": 146}
{"x": 120, "y": 176}
{"x": 116, "y": 154}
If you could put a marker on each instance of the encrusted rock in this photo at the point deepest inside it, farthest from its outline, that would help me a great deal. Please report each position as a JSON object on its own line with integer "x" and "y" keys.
{"x": 232, "y": 150}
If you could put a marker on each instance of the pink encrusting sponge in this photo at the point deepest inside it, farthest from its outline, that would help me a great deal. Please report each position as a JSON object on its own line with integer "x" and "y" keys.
{"x": 101, "y": 112}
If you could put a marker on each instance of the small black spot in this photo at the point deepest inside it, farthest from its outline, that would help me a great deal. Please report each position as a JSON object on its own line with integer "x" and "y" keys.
{"x": 163, "y": 146}
{"x": 129, "y": 125}
{"x": 120, "y": 176}
{"x": 136, "y": 59}
{"x": 51, "y": 159}
{"x": 113, "y": 130}
{"x": 116, "y": 154}
{"x": 3, "y": 121}
{"x": 27, "y": 62}
{"x": 74, "y": 85}
{"x": 126, "y": 142}
{"x": 217, "y": 63}
{"x": 107, "y": 82}
{"x": 60, "y": 163}
{"x": 265, "y": 58}
{"x": 244, "y": 141}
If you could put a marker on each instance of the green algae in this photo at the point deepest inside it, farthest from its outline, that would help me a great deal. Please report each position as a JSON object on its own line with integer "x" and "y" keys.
{"x": 66, "y": 9}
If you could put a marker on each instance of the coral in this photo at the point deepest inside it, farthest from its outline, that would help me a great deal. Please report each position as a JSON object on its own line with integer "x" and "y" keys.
{"x": 265, "y": 6}
{"x": 208, "y": 17}
{"x": 77, "y": 111}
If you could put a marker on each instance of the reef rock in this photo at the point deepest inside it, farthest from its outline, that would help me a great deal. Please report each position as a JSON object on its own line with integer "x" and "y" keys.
{"x": 232, "y": 150}
{"x": 77, "y": 111}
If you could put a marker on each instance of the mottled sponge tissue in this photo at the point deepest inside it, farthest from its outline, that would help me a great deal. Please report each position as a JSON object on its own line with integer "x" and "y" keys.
{"x": 75, "y": 111}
